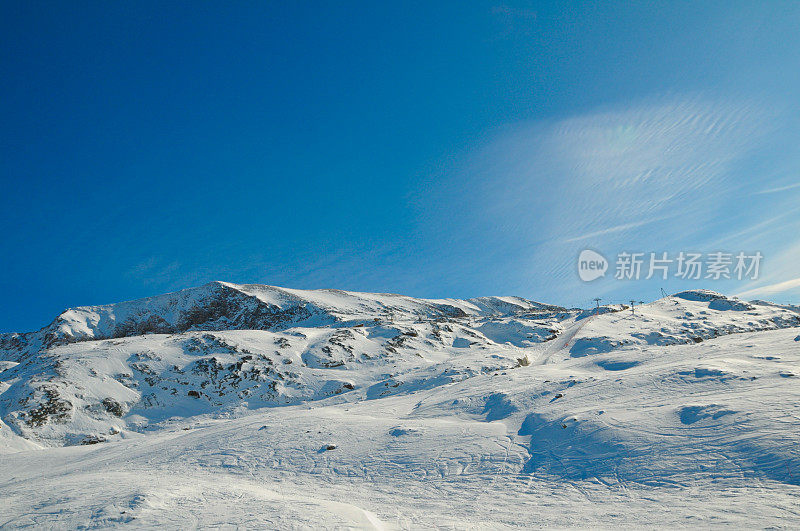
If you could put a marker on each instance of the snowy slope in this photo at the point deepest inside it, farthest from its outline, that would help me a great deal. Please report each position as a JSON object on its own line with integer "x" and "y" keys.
{"x": 493, "y": 412}
{"x": 690, "y": 316}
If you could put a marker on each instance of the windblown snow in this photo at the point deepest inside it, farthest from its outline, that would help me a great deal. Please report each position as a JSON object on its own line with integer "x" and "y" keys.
{"x": 258, "y": 406}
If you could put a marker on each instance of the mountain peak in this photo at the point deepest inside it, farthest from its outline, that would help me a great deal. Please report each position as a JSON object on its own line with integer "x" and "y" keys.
{"x": 222, "y": 305}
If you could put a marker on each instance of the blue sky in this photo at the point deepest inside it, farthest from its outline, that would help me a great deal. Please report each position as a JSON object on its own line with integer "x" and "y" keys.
{"x": 433, "y": 149}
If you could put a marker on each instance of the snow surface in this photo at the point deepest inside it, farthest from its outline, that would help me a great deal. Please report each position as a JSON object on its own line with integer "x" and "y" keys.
{"x": 266, "y": 407}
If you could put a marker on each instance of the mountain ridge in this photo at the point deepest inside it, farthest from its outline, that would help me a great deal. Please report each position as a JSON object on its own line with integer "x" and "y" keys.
{"x": 100, "y": 372}
{"x": 213, "y": 306}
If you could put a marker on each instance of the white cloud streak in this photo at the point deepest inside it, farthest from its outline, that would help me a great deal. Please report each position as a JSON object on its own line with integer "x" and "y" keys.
{"x": 779, "y": 189}
{"x": 772, "y": 289}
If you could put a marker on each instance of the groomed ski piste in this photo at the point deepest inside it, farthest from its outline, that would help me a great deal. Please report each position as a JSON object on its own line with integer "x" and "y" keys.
{"x": 255, "y": 406}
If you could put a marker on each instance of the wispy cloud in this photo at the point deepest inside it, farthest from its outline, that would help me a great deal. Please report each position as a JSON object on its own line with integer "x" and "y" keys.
{"x": 604, "y": 174}
{"x": 668, "y": 174}
{"x": 780, "y": 270}
{"x": 772, "y": 289}
{"x": 779, "y": 189}
{"x": 611, "y": 230}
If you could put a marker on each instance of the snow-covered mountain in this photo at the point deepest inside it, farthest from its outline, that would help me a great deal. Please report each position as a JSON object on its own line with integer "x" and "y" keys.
{"x": 384, "y": 392}
{"x": 101, "y": 370}
{"x": 225, "y": 306}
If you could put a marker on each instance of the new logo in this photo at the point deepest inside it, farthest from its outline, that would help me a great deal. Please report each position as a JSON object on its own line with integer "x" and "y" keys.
{"x": 591, "y": 265}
